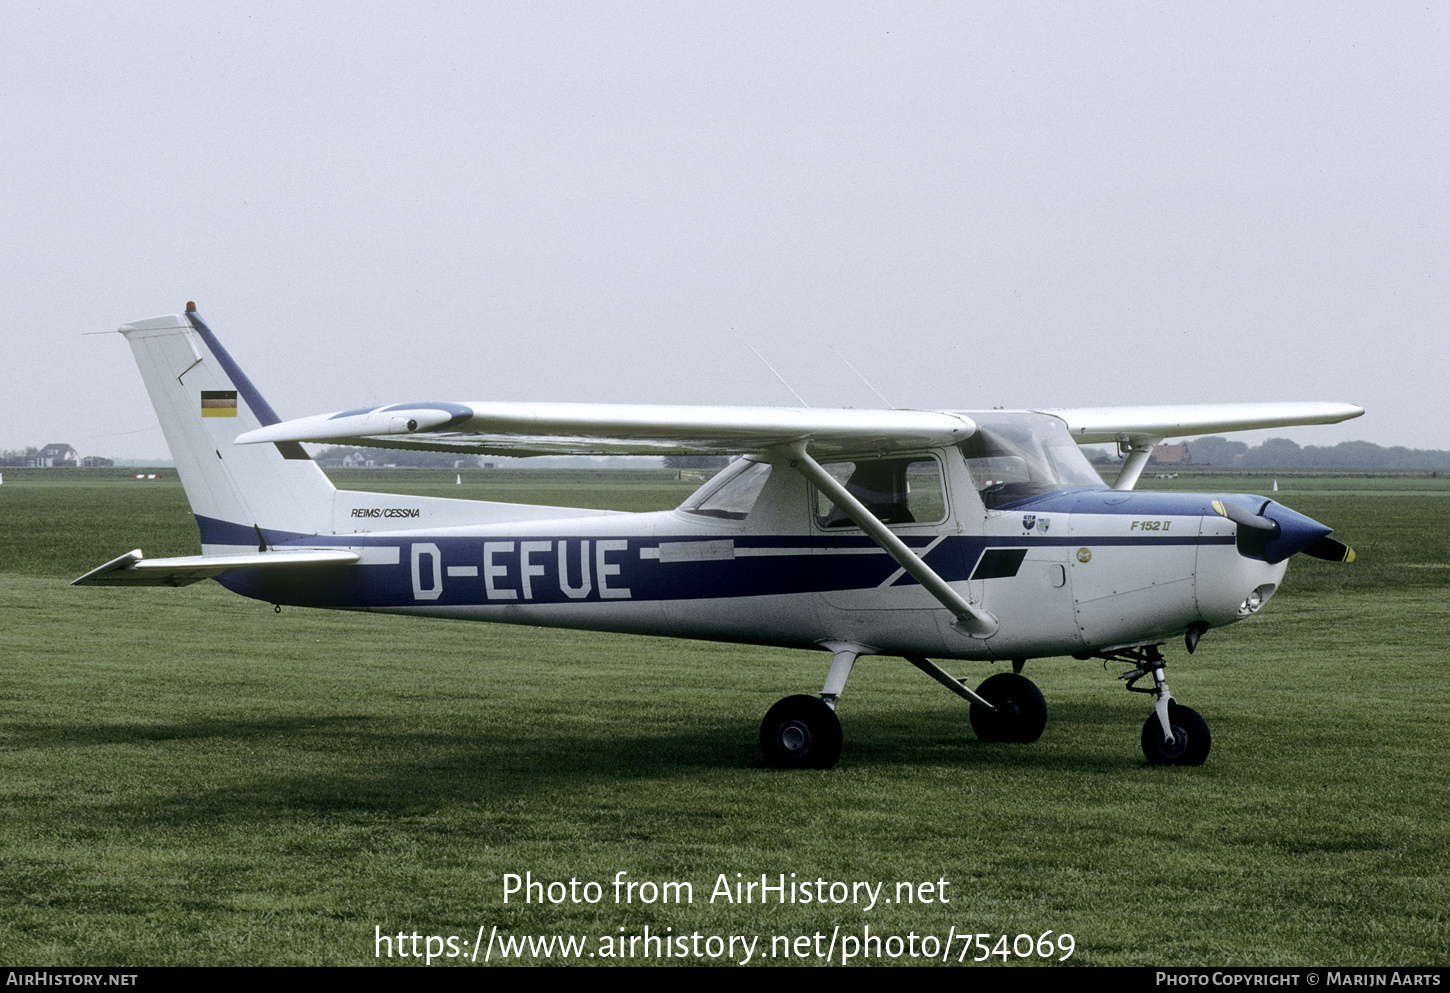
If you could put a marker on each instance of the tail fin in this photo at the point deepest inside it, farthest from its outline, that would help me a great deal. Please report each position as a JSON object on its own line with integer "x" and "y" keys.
{"x": 241, "y": 494}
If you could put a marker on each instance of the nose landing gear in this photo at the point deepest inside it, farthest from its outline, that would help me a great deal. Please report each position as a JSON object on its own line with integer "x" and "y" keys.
{"x": 1190, "y": 742}
{"x": 1173, "y": 735}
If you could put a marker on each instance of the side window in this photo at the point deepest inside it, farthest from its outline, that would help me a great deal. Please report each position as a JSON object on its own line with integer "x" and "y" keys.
{"x": 732, "y": 494}
{"x": 898, "y": 491}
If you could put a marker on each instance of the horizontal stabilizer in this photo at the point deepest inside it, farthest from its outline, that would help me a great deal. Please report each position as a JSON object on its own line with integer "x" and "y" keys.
{"x": 135, "y": 570}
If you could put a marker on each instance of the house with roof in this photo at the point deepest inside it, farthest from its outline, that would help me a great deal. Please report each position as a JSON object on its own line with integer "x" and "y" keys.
{"x": 1171, "y": 455}
{"x": 55, "y": 455}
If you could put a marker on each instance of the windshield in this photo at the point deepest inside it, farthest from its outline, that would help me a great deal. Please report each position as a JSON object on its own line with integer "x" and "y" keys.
{"x": 1013, "y": 457}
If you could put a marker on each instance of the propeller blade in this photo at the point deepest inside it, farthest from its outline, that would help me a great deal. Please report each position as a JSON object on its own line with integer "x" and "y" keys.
{"x": 1330, "y": 550}
{"x": 1245, "y": 518}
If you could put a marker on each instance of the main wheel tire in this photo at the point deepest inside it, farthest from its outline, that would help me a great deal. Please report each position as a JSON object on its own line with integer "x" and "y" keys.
{"x": 1191, "y": 740}
{"x": 801, "y": 732}
{"x": 1021, "y": 712}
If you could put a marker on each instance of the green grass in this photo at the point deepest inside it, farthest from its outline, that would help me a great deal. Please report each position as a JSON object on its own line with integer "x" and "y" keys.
{"x": 187, "y": 777}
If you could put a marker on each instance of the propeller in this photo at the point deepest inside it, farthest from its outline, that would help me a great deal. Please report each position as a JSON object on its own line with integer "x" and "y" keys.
{"x": 1277, "y": 537}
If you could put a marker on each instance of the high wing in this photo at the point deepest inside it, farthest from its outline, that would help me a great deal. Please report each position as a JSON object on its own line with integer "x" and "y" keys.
{"x": 1096, "y": 425}
{"x": 619, "y": 429}
{"x": 1137, "y": 429}
{"x": 133, "y": 569}
{"x": 493, "y": 428}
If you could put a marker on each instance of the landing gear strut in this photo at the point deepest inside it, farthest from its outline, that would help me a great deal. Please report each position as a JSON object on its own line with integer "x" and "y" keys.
{"x": 1173, "y": 735}
{"x": 1006, "y": 707}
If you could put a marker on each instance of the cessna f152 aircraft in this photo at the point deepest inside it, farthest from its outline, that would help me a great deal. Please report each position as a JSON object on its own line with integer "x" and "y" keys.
{"x": 926, "y": 534}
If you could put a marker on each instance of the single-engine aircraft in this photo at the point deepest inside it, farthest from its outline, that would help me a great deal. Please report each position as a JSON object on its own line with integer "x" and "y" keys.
{"x": 981, "y": 535}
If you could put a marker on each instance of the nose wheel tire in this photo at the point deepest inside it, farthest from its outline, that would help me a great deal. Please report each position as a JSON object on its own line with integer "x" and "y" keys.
{"x": 1191, "y": 740}
{"x": 1020, "y": 713}
{"x": 801, "y": 732}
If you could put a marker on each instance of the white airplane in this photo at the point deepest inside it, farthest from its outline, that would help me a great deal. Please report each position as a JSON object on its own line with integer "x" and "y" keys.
{"x": 965, "y": 535}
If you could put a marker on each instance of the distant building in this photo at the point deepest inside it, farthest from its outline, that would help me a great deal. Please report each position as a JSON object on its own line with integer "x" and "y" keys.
{"x": 53, "y": 456}
{"x": 334, "y": 458}
{"x": 1171, "y": 455}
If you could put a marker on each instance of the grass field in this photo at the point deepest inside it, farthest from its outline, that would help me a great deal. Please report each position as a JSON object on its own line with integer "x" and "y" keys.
{"x": 187, "y": 777}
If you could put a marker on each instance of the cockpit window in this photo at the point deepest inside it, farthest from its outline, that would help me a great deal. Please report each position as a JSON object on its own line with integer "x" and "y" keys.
{"x": 731, "y": 494}
{"x": 897, "y": 491}
{"x": 1016, "y": 456}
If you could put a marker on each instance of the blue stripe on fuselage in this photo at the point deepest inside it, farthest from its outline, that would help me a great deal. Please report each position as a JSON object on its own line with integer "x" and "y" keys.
{"x": 1147, "y": 503}
{"x": 526, "y": 569}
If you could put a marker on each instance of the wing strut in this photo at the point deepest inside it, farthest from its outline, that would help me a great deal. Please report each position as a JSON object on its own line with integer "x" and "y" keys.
{"x": 1137, "y": 448}
{"x": 970, "y": 620}
{"x": 951, "y": 682}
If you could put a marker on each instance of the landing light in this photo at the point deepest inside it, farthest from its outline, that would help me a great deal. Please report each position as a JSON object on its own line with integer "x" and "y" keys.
{"x": 1256, "y": 599}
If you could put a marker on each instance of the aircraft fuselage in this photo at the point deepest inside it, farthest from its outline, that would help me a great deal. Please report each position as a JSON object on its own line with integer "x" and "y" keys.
{"x": 1072, "y": 571}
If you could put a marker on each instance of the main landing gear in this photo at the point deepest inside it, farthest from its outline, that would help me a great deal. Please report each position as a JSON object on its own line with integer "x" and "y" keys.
{"x": 803, "y": 732}
{"x": 1173, "y": 735}
{"x": 1018, "y": 712}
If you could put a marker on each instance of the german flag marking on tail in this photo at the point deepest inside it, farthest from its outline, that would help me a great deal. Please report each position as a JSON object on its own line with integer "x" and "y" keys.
{"x": 218, "y": 403}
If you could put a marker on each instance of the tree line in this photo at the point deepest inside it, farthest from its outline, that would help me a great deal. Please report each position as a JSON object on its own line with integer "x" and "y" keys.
{"x": 1281, "y": 453}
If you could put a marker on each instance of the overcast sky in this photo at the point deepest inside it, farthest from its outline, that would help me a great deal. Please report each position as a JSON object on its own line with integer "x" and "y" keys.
{"x": 978, "y": 205}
